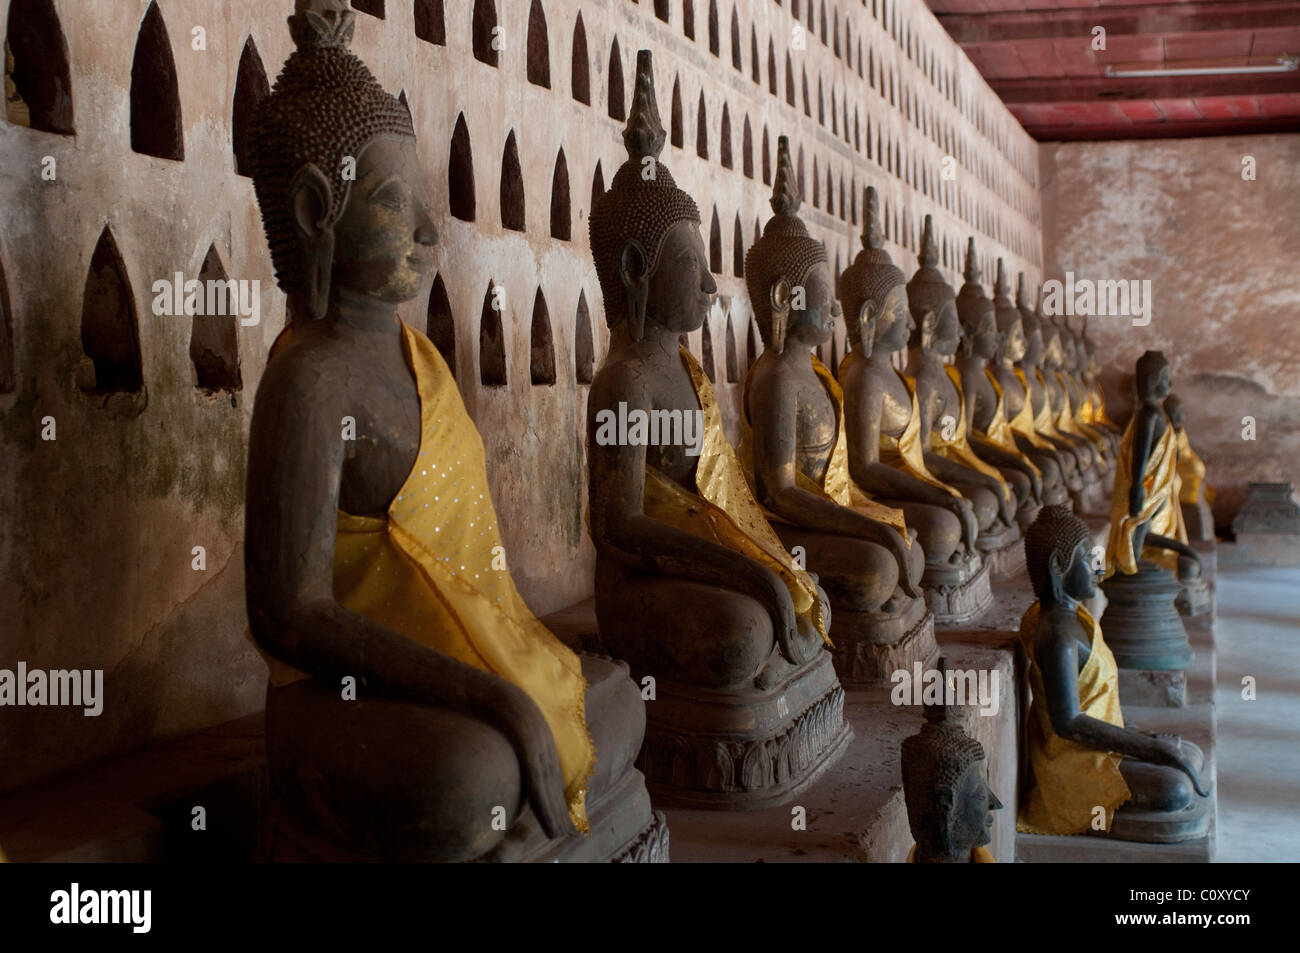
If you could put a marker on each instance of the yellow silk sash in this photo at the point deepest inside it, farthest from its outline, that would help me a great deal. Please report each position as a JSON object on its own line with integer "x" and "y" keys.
{"x": 1069, "y": 779}
{"x": 723, "y": 509}
{"x": 432, "y": 571}
{"x": 958, "y": 449}
{"x": 1098, "y": 401}
{"x": 999, "y": 432}
{"x": 978, "y": 855}
{"x": 1191, "y": 472}
{"x": 1024, "y": 422}
{"x": 1069, "y": 419}
{"x": 1160, "y": 505}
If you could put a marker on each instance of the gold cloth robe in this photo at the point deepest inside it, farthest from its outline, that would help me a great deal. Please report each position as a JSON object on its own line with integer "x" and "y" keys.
{"x": 723, "y": 510}
{"x": 1097, "y": 403}
{"x": 904, "y": 452}
{"x": 958, "y": 448}
{"x": 429, "y": 571}
{"x": 978, "y": 855}
{"x": 1045, "y": 420}
{"x": 1159, "y": 505}
{"x": 999, "y": 431}
{"x": 1191, "y": 473}
{"x": 1069, "y": 779}
{"x": 836, "y": 484}
{"x": 1070, "y": 420}
{"x": 1024, "y": 422}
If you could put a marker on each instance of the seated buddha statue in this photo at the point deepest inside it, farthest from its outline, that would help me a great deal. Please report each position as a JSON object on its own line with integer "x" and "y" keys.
{"x": 949, "y": 801}
{"x": 1058, "y": 399}
{"x": 795, "y": 452}
{"x": 1194, "y": 494}
{"x": 945, "y": 422}
{"x": 1081, "y": 754}
{"x": 990, "y": 432}
{"x": 883, "y": 419}
{"x": 693, "y": 586}
{"x": 1075, "y": 359}
{"x": 417, "y": 710}
{"x": 1090, "y": 370}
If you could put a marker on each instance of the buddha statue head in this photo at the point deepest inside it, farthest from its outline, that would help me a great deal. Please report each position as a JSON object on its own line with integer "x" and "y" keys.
{"x": 945, "y": 787}
{"x": 1091, "y": 364}
{"x": 980, "y": 336}
{"x": 787, "y": 271}
{"x": 932, "y": 301}
{"x": 337, "y": 176}
{"x": 1153, "y": 377}
{"x": 645, "y": 231}
{"x": 1010, "y": 319}
{"x": 1053, "y": 345}
{"x": 1174, "y": 411}
{"x": 1035, "y": 344}
{"x": 874, "y": 291}
{"x": 1058, "y": 552}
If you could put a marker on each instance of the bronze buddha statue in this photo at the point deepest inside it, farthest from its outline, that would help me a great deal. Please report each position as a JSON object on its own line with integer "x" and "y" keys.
{"x": 693, "y": 587}
{"x": 945, "y": 418}
{"x": 884, "y": 420}
{"x": 1093, "y": 463}
{"x": 1194, "y": 494}
{"x": 417, "y": 710}
{"x": 795, "y": 451}
{"x": 1082, "y": 757}
{"x": 949, "y": 800}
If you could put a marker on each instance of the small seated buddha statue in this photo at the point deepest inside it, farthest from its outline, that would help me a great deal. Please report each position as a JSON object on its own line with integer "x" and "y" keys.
{"x": 417, "y": 710}
{"x": 990, "y": 434}
{"x": 1091, "y": 373}
{"x": 1194, "y": 494}
{"x": 1081, "y": 400}
{"x": 1081, "y": 754}
{"x": 945, "y": 423}
{"x": 949, "y": 801}
{"x": 1058, "y": 399}
{"x": 694, "y": 589}
{"x": 795, "y": 451}
{"x": 884, "y": 420}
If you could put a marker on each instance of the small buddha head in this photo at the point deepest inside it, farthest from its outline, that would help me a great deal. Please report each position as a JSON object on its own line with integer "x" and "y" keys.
{"x": 1053, "y": 347}
{"x": 949, "y": 801}
{"x": 874, "y": 291}
{"x": 1174, "y": 410}
{"x": 337, "y": 174}
{"x": 645, "y": 231}
{"x": 932, "y": 302}
{"x": 1058, "y": 552}
{"x": 1011, "y": 320}
{"x": 1091, "y": 363}
{"x": 980, "y": 336}
{"x": 787, "y": 271}
{"x": 1030, "y": 318}
{"x": 1153, "y": 377}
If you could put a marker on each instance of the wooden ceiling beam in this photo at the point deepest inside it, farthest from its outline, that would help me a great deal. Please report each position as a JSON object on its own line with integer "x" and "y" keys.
{"x": 970, "y": 29}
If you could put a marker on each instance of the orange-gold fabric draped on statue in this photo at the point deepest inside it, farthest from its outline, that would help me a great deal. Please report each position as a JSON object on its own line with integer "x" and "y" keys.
{"x": 1069, "y": 779}
{"x": 957, "y": 448}
{"x": 999, "y": 431}
{"x": 978, "y": 855}
{"x": 1024, "y": 422}
{"x": 1191, "y": 473}
{"x": 1159, "y": 505}
{"x": 724, "y": 509}
{"x": 429, "y": 570}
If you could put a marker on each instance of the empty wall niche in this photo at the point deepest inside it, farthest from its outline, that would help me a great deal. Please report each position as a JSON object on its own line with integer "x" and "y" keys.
{"x": 251, "y": 88}
{"x": 541, "y": 363}
{"x": 491, "y": 339}
{"x": 156, "y": 128}
{"x": 440, "y": 326}
{"x": 110, "y": 331}
{"x": 36, "y": 61}
{"x": 584, "y": 348}
{"x": 431, "y": 22}
{"x": 214, "y": 333}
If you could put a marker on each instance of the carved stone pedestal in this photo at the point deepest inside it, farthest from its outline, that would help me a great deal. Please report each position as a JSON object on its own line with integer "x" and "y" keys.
{"x": 1266, "y": 529}
{"x": 1004, "y": 551}
{"x": 1152, "y": 689}
{"x": 743, "y": 749}
{"x": 1141, "y": 625}
{"x": 1195, "y": 597}
{"x": 866, "y": 654}
{"x": 1199, "y": 521}
{"x": 1168, "y": 827}
{"x": 957, "y": 593}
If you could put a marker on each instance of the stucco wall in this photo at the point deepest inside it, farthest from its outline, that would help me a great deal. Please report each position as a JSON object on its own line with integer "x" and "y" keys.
{"x": 1219, "y": 251}
{"x": 99, "y": 525}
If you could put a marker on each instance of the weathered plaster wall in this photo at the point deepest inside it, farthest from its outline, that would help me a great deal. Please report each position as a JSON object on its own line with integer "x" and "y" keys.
{"x": 99, "y": 525}
{"x": 1219, "y": 251}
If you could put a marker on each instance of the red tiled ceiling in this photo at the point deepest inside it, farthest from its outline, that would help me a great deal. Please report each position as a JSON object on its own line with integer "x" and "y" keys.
{"x": 1227, "y": 107}
{"x": 1179, "y": 109}
{"x": 1272, "y": 42}
{"x": 1217, "y": 43}
{"x": 1141, "y": 110}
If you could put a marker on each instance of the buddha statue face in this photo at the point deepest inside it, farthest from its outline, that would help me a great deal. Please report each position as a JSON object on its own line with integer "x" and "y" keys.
{"x": 1174, "y": 408}
{"x": 1034, "y": 346}
{"x": 1153, "y": 377}
{"x": 1078, "y": 578}
{"x": 985, "y": 339}
{"x": 814, "y": 324}
{"x": 681, "y": 288}
{"x": 1053, "y": 355}
{"x": 947, "y": 330}
{"x": 893, "y": 322}
{"x": 1058, "y": 552}
{"x": 1014, "y": 345}
{"x": 970, "y": 823}
{"x": 384, "y": 236}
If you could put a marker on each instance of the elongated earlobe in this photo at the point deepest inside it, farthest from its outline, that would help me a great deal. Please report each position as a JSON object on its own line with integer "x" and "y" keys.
{"x": 634, "y": 271}
{"x": 780, "y": 314}
{"x": 310, "y": 197}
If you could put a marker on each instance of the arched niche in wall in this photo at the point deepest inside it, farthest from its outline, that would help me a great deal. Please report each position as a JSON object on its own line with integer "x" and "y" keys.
{"x": 460, "y": 173}
{"x": 491, "y": 339}
{"x": 251, "y": 87}
{"x": 8, "y": 378}
{"x": 715, "y": 244}
{"x": 440, "y": 324}
{"x": 751, "y": 345}
{"x": 738, "y": 249}
{"x": 747, "y": 150}
{"x": 724, "y": 150}
{"x": 617, "y": 105}
{"x": 767, "y": 158}
{"x": 789, "y": 80}
{"x": 755, "y": 70}
{"x": 706, "y": 352}
{"x": 539, "y": 47}
{"x": 584, "y": 348}
{"x": 513, "y": 214}
{"x": 214, "y": 334}
{"x": 541, "y": 363}
{"x": 580, "y": 78}
{"x": 373, "y": 7}
{"x": 715, "y": 38}
{"x": 597, "y": 184}
{"x": 771, "y": 66}
{"x": 431, "y": 22}
{"x": 561, "y": 215}
{"x": 110, "y": 330}
{"x": 733, "y": 365}
{"x": 156, "y": 127}
{"x": 664, "y": 10}
{"x": 702, "y": 129}
{"x": 484, "y": 32}
{"x": 737, "y": 61}
{"x": 676, "y": 134}
{"x": 40, "y": 72}
{"x": 688, "y": 19}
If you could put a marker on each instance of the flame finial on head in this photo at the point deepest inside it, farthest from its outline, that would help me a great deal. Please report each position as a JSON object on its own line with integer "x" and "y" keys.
{"x": 873, "y": 236}
{"x": 786, "y": 199}
{"x": 644, "y": 135}
{"x": 322, "y": 24}
{"x": 929, "y": 255}
{"x": 972, "y": 272}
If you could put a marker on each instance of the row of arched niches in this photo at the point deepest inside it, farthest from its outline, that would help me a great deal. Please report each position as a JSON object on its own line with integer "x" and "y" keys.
{"x": 39, "y": 95}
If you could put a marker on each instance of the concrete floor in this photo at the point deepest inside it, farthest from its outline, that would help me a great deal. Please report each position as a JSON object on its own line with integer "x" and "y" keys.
{"x": 1258, "y": 634}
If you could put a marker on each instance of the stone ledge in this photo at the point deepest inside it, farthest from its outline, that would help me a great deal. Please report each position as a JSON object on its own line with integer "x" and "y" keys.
{"x": 1261, "y": 549}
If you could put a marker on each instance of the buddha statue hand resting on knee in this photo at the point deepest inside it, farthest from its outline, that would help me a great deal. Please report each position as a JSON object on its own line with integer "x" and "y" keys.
{"x": 1081, "y": 754}
{"x": 371, "y": 561}
{"x": 945, "y": 787}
